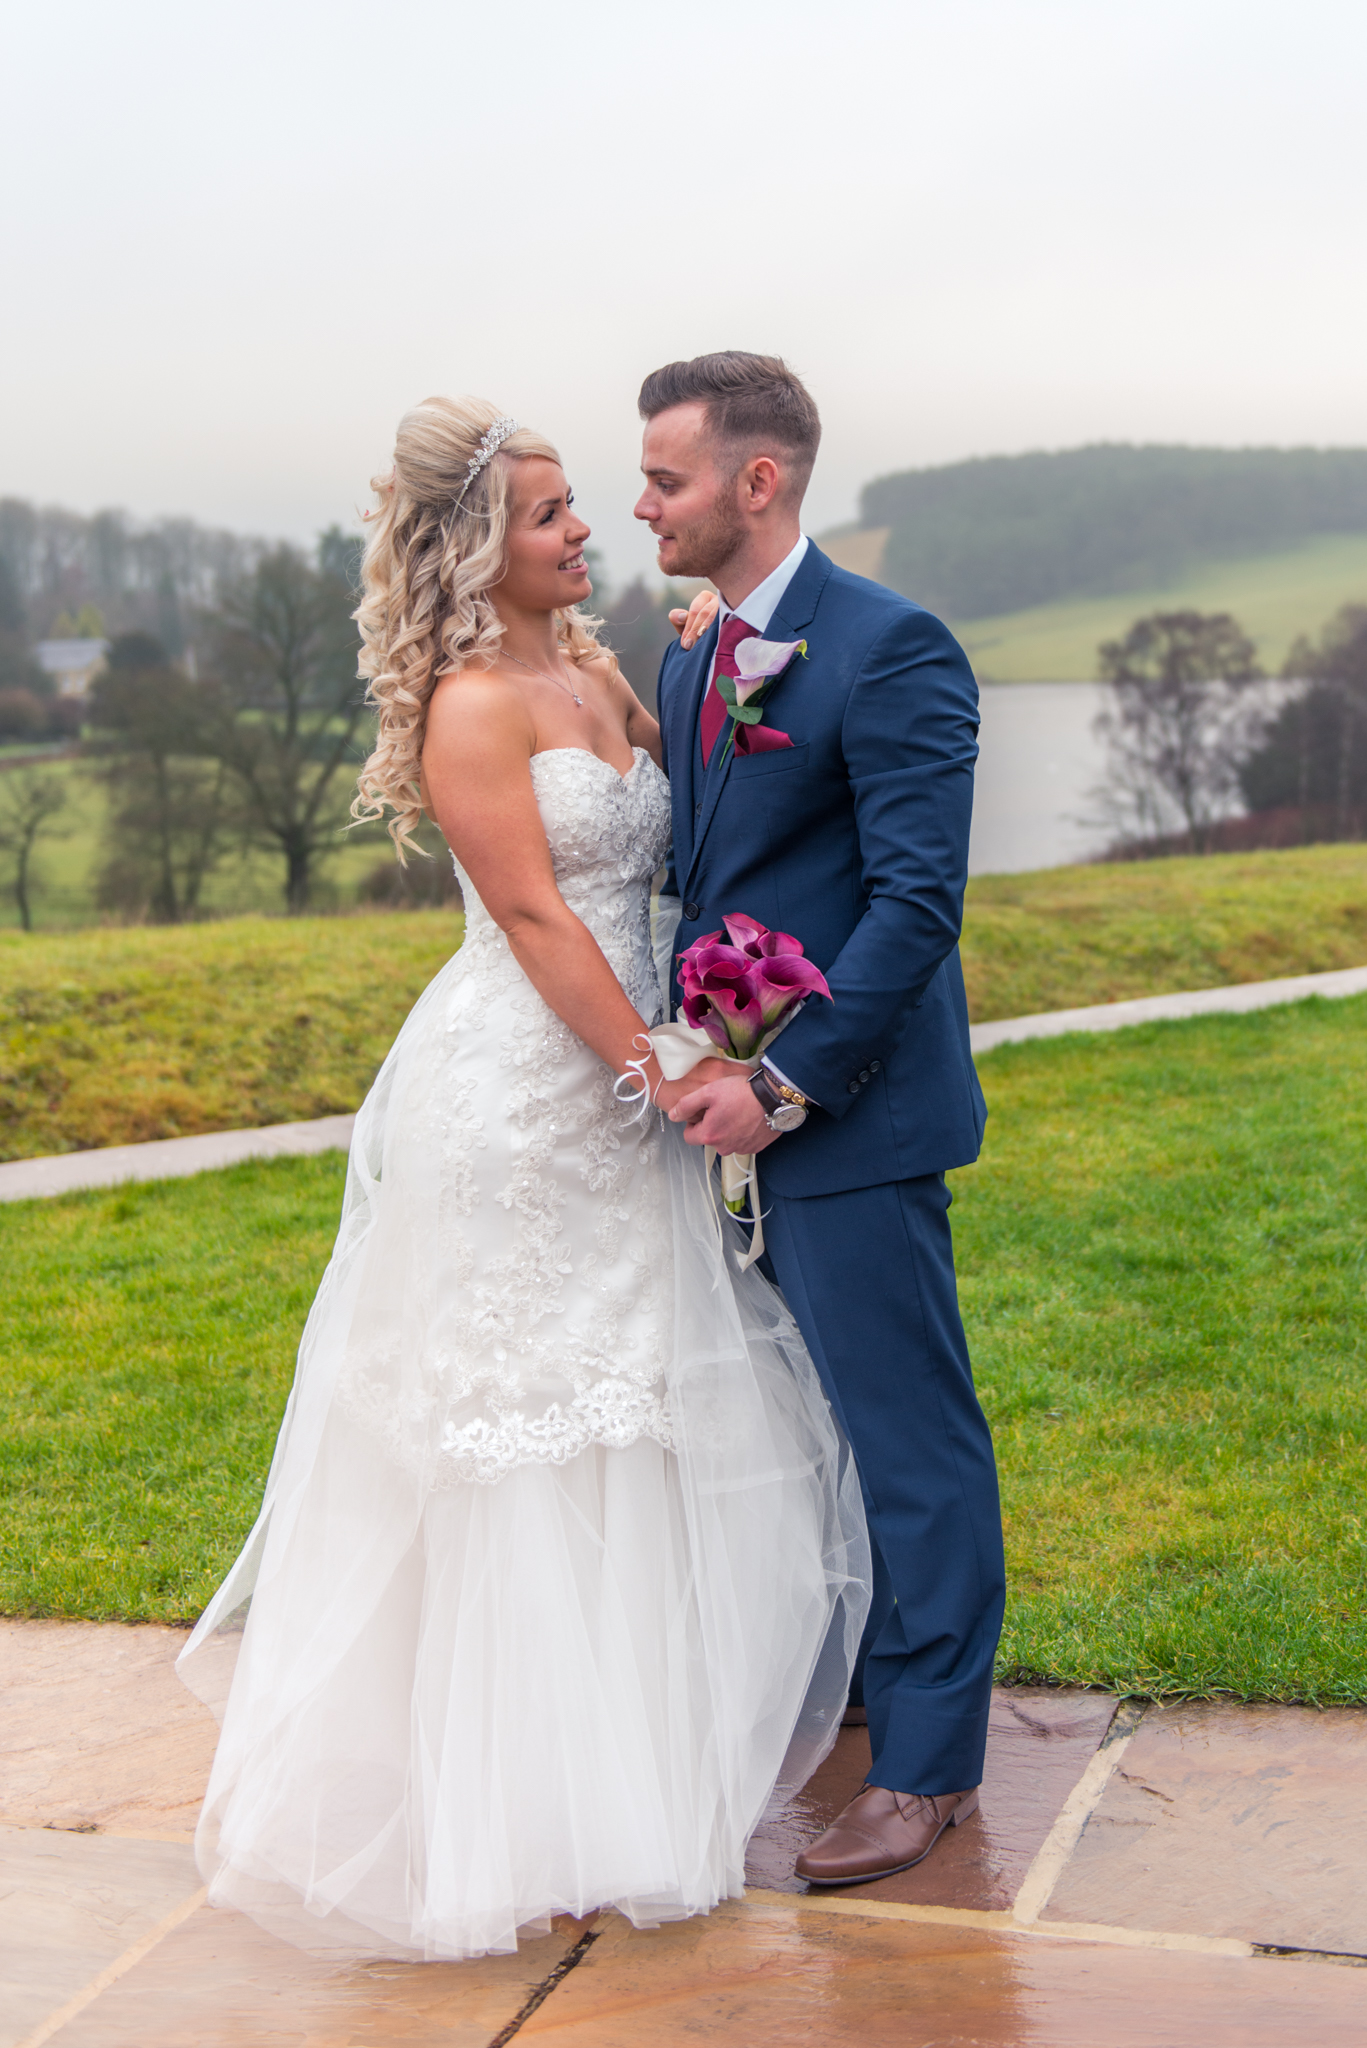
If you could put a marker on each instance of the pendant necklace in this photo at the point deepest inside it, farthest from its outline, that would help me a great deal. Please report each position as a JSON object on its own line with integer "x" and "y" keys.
{"x": 544, "y": 674}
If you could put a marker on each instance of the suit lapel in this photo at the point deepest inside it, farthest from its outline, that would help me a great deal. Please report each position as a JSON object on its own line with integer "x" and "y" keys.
{"x": 794, "y": 611}
{"x": 685, "y": 751}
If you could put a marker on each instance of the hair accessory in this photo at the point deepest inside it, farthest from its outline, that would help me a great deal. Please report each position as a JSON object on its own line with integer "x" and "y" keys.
{"x": 488, "y": 448}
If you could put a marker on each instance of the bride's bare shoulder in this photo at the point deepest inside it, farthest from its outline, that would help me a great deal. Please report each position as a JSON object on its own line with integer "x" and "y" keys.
{"x": 478, "y": 713}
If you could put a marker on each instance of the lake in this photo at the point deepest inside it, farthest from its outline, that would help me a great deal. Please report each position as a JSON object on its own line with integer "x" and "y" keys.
{"x": 1037, "y": 765}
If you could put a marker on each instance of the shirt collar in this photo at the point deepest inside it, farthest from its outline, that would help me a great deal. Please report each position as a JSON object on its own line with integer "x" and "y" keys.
{"x": 759, "y": 607}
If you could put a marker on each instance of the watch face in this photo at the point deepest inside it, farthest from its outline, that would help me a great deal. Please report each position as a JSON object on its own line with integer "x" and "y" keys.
{"x": 788, "y": 1117}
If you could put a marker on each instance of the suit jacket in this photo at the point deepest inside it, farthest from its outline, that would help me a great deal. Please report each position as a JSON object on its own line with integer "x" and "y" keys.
{"x": 855, "y": 839}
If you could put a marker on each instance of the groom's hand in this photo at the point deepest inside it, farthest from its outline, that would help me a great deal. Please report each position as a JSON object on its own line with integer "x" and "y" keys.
{"x": 724, "y": 1114}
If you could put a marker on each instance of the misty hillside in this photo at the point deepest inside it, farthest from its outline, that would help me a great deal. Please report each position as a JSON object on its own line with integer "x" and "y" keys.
{"x": 1007, "y": 532}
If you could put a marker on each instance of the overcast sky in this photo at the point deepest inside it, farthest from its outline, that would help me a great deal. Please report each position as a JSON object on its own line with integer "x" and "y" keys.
{"x": 240, "y": 239}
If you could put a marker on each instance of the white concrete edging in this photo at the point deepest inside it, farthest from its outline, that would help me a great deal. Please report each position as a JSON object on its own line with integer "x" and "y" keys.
{"x": 1197, "y": 1002}
{"x": 167, "y": 1158}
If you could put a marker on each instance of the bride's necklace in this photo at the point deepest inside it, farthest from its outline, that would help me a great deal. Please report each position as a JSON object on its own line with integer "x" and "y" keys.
{"x": 545, "y": 675}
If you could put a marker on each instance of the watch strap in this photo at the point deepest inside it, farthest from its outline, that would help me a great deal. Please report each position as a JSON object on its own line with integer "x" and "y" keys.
{"x": 766, "y": 1094}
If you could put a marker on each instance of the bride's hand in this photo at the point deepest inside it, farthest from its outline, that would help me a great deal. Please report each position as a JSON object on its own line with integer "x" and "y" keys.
{"x": 694, "y": 622}
{"x": 668, "y": 1094}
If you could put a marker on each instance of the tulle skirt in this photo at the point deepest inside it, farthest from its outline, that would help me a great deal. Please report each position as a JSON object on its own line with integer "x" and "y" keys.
{"x": 451, "y": 1711}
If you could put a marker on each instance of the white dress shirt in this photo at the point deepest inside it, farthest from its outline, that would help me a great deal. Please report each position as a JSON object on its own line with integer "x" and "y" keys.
{"x": 759, "y": 607}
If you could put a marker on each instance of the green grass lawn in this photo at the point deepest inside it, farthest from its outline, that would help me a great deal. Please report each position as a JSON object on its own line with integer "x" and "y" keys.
{"x": 1164, "y": 1265}
{"x": 147, "y": 1349}
{"x": 114, "y": 1035}
{"x": 1163, "y": 1256}
{"x": 1275, "y": 597}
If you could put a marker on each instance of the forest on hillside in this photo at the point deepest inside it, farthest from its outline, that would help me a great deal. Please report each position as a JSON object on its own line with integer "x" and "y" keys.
{"x": 975, "y": 539}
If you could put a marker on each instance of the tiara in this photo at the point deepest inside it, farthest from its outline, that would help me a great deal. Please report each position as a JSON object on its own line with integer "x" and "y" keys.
{"x": 488, "y": 448}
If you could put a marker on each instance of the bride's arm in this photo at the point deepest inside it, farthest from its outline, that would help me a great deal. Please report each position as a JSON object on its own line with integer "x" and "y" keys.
{"x": 478, "y": 779}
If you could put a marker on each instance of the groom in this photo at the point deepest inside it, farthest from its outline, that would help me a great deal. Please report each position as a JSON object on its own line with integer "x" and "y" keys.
{"x": 842, "y": 817}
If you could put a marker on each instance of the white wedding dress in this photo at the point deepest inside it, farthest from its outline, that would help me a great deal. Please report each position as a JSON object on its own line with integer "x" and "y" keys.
{"x": 561, "y": 1566}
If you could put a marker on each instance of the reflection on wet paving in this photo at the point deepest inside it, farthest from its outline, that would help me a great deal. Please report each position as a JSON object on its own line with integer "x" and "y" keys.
{"x": 769, "y": 1975}
{"x": 1038, "y": 1745}
{"x": 1219, "y": 1820}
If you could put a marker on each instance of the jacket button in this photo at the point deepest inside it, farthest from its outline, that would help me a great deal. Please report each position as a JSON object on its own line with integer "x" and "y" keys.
{"x": 697, "y": 810}
{"x": 854, "y": 1087}
{"x": 691, "y": 912}
{"x": 865, "y": 1075}
{"x": 875, "y": 1066}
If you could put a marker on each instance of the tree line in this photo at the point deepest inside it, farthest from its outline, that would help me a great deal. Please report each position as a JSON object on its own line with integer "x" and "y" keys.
{"x": 244, "y": 731}
{"x": 1192, "y": 732}
{"x": 974, "y": 539}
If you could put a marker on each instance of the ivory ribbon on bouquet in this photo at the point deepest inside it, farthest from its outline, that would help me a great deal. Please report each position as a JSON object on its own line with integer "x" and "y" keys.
{"x": 678, "y": 1048}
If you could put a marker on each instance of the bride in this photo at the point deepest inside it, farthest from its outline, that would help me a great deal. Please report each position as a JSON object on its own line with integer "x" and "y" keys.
{"x": 561, "y": 1566}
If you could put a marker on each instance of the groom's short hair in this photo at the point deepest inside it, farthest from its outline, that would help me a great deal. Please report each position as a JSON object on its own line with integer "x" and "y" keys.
{"x": 751, "y": 401}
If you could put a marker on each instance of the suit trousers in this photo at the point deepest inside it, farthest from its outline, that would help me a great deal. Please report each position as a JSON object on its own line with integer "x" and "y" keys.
{"x": 869, "y": 1277}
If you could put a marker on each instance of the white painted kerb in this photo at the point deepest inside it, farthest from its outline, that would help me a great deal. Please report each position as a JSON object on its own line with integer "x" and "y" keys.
{"x": 1198, "y": 1002}
{"x": 167, "y": 1158}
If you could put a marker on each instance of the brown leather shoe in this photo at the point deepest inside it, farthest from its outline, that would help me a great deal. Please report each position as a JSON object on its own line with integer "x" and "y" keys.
{"x": 880, "y": 1832}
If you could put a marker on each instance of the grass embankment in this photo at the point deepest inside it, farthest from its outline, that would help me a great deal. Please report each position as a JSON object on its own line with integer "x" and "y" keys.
{"x": 1275, "y": 597}
{"x": 1164, "y": 1264}
{"x": 109, "y": 1036}
{"x": 1060, "y": 937}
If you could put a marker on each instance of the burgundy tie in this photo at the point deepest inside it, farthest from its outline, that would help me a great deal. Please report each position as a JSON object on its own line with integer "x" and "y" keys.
{"x": 715, "y": 709}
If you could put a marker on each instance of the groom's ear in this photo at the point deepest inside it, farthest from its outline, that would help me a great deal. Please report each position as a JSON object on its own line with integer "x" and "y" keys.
{"x": 761, "y": 482}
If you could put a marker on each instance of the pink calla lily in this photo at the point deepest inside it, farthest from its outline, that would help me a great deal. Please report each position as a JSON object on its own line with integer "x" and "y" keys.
{"x": 759, "y": 943}
{"x": 783, "y": 982}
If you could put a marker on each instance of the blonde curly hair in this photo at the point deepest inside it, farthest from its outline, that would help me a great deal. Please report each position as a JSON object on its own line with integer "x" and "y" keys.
{"x": 428, "y": 568}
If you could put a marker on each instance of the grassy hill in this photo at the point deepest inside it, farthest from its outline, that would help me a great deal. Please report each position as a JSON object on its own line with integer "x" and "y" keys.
{"x": 1275, "y": 597}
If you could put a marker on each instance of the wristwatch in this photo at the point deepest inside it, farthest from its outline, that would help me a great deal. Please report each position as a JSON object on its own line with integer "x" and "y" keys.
{"x": 784, "y": 1107}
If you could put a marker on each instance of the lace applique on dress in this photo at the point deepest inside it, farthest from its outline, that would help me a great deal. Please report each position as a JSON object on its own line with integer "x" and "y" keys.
{"x": 520, "y": 1240}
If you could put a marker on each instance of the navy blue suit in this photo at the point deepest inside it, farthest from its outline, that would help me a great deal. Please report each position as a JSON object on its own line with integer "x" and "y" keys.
{"x": 855, "y": 839}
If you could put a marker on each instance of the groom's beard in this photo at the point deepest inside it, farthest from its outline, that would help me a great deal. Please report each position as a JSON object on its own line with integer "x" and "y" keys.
{"x": 705, "y": 548}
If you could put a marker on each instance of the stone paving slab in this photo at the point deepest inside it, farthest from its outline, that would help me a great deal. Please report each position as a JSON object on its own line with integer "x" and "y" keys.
{"x": 98, "y": 1732}
{"x": 1039, "y": 1742}
{"x": 219, "y": 1982}
{"x": 70, "y": 1904}
{"x": 1227, "y": 1820}
{"x": 1260, "y": 1837}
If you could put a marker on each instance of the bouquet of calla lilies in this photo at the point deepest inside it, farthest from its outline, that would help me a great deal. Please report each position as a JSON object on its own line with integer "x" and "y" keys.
{"x": 742, "y": 994}
{"x": 737, "y": 997}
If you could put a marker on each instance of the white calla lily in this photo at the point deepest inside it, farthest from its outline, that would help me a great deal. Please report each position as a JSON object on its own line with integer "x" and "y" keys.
{"x": 757, "y": 661}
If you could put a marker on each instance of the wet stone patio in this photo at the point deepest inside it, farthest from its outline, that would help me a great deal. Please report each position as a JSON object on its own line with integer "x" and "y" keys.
{"x": 1182, "y": 1875}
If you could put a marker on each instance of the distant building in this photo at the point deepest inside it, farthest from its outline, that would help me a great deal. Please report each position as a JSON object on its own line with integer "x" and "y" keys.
{"x": 71, "y": 663}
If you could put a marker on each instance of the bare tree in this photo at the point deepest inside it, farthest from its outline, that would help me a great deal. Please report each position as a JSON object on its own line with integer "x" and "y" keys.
{"x": 1180, "y": 721}
{"x": 155, "y": 730}
{"x": 30, "y": 799}
{"x": 283, "y": 649}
